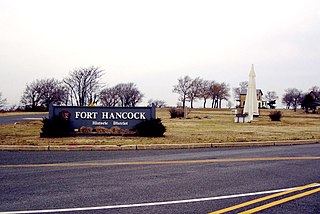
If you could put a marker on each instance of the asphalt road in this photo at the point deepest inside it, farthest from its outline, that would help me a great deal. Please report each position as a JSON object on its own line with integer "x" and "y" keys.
{"x": 19, "y": 118}
{"x": 163, "y": 181}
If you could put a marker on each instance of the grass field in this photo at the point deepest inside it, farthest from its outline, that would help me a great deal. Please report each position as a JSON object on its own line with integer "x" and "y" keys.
{"x": 201, "y": 126}
{"x": 2, "y": 114}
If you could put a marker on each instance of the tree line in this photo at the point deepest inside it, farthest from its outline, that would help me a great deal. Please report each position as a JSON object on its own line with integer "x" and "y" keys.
{"x": 191, "y": 90}
{"x": 82, "y": 87}
{"x": 294, "y": 97}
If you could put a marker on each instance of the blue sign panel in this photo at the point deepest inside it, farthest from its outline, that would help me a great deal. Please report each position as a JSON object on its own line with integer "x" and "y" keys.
{"x": 107, "y": 117}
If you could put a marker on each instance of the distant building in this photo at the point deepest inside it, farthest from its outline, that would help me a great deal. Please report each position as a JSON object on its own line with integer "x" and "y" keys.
{"x": 261, "y": 103}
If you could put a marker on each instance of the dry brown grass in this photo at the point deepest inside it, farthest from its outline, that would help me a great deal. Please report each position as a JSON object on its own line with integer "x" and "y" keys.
{"x": 3, "y": 114}
{"x": 201, "y": 126}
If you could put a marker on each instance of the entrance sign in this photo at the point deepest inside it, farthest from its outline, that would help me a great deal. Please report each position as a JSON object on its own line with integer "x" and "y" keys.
{"x": 107, "y": 117}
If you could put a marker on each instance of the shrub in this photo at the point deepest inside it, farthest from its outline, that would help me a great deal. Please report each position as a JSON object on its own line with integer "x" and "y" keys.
{"x": 85, "y": 130}
{"x": 115, "y": 130}
{"x": 275, "y": 115}
{"x": 150, "y": 128}
{"x": 174, "y": 113}
{"x": 101, "y": 130}
{"x": 56, "y": 127}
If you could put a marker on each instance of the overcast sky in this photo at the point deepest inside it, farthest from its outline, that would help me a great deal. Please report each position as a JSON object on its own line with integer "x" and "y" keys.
{"x": 153, "y": 43}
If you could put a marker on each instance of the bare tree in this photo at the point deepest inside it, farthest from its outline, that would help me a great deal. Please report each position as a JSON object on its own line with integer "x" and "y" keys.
{"x": 40, "y": 93}
{"x": 214, "y": 93}
{"x": 292, "y": 98}
{"x": 84, "y": 85}
{"x": 237, "y": 90}
{"x": 205, "y": 91}
{"x": 219, "y": 92}
{"x": 183, "y": 88}
{"x": 110, "y": 97}
{"x": 271, "y": 97}
{"x": 194, "y": 91}
{"x": 31, "y": 97}
{"x": 130, "y": 95}
{"x": 157, "y": 103}
{"x": 243, "y": 85}
{"x": 53, "y": 91}
{"x": 223, "y": 92}
{"x": 123, "y": 94}
{"x": 2, "y": 101}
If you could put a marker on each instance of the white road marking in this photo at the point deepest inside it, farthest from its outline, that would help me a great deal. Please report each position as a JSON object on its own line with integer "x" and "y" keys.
{"x": 150, "y": 204}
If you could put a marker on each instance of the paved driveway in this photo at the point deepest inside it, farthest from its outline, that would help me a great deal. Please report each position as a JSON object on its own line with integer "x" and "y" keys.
{"x": 18, "y": 118}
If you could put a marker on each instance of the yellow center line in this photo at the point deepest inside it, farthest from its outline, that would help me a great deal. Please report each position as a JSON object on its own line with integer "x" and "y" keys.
{"x": 284, "y": 200}
{"x": 263, "y": 199}
{"x": 85, "y": 164}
